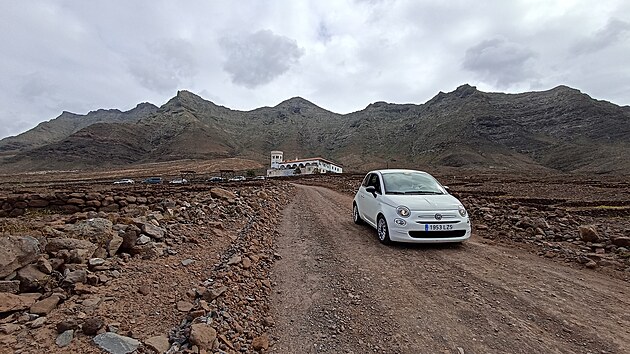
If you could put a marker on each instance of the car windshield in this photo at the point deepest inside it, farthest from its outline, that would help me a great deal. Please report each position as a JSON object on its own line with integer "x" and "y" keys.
{"x": 410, "y": 183}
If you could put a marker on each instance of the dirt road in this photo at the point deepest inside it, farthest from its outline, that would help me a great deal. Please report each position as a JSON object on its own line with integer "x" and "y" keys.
{"x": 340, "y": 291}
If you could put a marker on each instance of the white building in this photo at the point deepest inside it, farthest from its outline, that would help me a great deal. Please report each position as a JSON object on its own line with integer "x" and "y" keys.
{"x": 279, "y": 167}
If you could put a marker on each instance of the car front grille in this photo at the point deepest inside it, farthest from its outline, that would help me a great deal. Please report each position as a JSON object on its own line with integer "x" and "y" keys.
{"x": 437, "y": 234}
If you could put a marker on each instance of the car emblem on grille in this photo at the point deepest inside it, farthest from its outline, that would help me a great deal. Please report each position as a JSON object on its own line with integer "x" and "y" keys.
{"x": 438, "y": 216}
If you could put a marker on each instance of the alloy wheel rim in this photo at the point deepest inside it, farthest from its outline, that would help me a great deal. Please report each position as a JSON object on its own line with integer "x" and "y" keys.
{"x": 382, "y": 229}
{"x": 355, "y": 213}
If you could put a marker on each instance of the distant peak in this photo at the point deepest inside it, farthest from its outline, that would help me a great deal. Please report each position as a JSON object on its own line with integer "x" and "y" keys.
{"x": 564, "y": 88}
{"x": 466, "y": 87}
{"x": 377, "y": 104}
{"x": 295, "y": 101}
{"x": 146, "y": 105}
{"x": 186, "y": 94}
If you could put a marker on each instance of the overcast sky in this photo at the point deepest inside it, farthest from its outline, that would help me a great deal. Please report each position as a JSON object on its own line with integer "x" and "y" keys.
{"x": 82, "y": 55}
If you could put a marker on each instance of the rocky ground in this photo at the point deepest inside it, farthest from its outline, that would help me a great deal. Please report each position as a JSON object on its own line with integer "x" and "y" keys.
{"x": 243, "y": 268}
{"x": 183, "y": 274}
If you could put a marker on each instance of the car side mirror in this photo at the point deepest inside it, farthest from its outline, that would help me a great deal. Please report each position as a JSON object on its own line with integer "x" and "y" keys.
{"x": 371, "y": 189}
{"x": 446, "y": 188}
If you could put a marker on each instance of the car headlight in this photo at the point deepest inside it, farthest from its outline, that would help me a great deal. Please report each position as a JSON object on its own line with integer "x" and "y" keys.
{"x": 462, "y": 211}
{"x": 403, "y": 211}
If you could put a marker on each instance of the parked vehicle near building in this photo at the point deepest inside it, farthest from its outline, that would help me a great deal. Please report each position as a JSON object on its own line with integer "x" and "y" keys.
{"x": 237, "y": 179}
{"x": 125, "y": 181}
{"x": 153, "y": 180}
{"x": 178, "y": 181}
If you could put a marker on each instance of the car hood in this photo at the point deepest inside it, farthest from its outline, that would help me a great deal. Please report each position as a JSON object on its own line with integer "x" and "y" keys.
{"x": 423, "y": 202}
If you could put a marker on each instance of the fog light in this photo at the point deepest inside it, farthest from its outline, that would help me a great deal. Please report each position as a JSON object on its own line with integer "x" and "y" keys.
{"x": 400, "y": 222}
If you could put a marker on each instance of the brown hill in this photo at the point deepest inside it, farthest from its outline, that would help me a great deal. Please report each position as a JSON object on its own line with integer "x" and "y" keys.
{"x": 68, "y": 123}
{"x": 559, "y": 129}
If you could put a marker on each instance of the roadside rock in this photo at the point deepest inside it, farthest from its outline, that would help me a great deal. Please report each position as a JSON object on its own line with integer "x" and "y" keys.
{"x": 184, "y": 306}
{"x": 83, "y": 250}
{"x": 91, "y": 326}
{"x": 114, "y": 245}
{"x": 202, "y": 335}
{"x": 40, "y": 321}
{"x": 45, "y": 306}
{"x": 221, "y": 193}
{"x": 64, "y": 339}
{"x": 78, "y": 276}
{"x": 158, "y": 343}
{"x": 98, "y": 231}
{"x": 260, "y": 343}
{"x": 10, "y": 286}
{"x": 155, "y": 232}
{"x": 31, "y": 278}
{"x": 67, "y": 324}
{"x": 12, "y": 302}
{"x": 621, "y": 241}
{"x": 588, "y": 233}
{"x": 9, "y": 328}
{"x": 116, "y": 344}
{"x": 16, "y": 252}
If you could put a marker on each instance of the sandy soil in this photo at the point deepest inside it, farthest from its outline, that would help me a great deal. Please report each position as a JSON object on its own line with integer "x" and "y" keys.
{"x": 338, "y": 290}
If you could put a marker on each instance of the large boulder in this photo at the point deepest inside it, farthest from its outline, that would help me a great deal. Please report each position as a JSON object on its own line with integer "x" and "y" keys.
{"x": 16, "y": 252}
{"x": 81, "y": 250}
{"x": 98, "y": 231}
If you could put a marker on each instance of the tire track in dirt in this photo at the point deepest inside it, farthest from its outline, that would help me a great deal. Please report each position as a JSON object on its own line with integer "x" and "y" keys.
{"x": 342, "y": 291}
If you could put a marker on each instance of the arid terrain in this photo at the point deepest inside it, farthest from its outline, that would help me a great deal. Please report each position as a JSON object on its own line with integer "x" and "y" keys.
{"x": 279, "y": 266}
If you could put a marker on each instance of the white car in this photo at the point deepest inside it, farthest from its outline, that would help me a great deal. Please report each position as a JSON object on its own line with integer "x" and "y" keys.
{"x": 237, "y": 179}
{"x": 410, "y": 206}
{"x": 124, "y": 181}
{"x": 179, "y": 181}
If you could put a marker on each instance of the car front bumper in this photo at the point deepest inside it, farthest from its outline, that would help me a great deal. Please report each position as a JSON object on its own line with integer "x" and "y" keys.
{"x": 418, "y": 232}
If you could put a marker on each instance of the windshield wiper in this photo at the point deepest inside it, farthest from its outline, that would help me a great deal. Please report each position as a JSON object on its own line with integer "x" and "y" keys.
{"x": 394, "y": 192}
{"x": 423, "y": 192}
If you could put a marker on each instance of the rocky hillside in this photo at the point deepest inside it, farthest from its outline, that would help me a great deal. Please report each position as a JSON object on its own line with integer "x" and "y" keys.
{"x": 67, "y": 124}
{"x": 559, "y": 129}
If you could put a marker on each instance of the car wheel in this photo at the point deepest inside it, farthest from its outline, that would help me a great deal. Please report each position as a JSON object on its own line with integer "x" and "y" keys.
{"x": 355, "y": 215}
{"x": 383, "y": 231}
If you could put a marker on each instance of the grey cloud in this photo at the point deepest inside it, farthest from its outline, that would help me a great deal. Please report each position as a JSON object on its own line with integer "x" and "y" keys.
{"x": 164, "y": 65}
{"x": 614, "y": 30}
{"x": 323, "y": 33}
{"x": 499, "y": 62}
{"x": 258, "y": 58}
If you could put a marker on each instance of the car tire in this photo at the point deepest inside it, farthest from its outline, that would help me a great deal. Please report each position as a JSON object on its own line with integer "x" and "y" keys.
{"x": 355, "y": 215}
{"x": 382, "y": 230}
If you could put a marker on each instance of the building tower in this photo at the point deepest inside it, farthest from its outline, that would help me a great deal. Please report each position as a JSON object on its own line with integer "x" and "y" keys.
{"x": 276, "y": 158}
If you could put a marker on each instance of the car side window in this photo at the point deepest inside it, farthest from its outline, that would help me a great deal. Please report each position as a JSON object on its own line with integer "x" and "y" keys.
{"x": 375, "y": 182}
{"x": 366, "y": 180}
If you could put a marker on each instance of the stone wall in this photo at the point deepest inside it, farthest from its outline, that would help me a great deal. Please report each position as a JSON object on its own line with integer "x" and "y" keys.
{"x": 16, "y": 204}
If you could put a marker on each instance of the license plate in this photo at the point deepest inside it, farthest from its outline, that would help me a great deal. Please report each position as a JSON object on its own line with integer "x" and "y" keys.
{"x": 438, "y": 227}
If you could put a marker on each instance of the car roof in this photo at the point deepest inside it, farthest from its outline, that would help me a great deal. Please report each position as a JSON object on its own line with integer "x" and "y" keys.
{"x": 397, "y": 170}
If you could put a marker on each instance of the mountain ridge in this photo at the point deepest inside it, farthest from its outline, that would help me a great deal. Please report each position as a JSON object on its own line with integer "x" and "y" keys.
{"x": 559, "y": 129}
